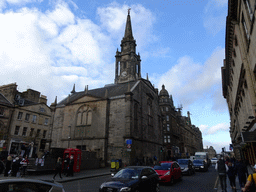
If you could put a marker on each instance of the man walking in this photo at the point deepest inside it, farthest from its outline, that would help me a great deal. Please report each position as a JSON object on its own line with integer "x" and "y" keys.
{"x": 222, "y": 169}
{"x": 242, "y": 172}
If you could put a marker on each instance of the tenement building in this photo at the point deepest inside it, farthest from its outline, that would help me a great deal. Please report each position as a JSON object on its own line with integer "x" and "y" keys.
{"x": 239, "y": 75}
{"x": 118, "y": 121}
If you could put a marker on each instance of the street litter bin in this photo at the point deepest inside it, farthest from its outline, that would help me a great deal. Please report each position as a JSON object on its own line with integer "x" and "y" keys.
{"x": 114, "y": 165}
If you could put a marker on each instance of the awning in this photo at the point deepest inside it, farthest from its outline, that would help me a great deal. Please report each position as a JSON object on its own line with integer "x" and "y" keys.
{"x": 248, "y": 137}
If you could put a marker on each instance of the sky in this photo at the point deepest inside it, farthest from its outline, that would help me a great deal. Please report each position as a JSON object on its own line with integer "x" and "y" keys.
{"x": 50, "y": 45}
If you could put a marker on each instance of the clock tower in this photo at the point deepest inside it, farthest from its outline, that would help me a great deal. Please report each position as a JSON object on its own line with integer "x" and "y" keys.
{"x": 127, "y": 61}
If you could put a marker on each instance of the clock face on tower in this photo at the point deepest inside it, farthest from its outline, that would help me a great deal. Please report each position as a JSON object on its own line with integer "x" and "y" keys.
{"x": 124, "y": 73}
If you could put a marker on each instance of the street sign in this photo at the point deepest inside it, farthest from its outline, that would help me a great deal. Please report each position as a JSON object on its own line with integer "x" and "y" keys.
{"x": 128, "y": 141}
{"x": 129, "y": 146}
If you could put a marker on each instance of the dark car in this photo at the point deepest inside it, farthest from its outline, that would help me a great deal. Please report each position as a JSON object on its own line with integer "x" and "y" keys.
{"x": 29, "y": 185}
{"x": 200, "y": 165}
{"x": 187, "y": 167}
{"x": 168, "y": 172}
{"x": 132, "y": 178}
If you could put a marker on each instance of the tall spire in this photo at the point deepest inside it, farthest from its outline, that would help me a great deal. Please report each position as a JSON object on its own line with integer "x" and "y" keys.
{"x": 128, "y": 29}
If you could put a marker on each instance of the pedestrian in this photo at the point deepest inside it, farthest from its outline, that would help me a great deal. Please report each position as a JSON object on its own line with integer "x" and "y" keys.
{"x": 2, "y": 166}
{"x": 24, "y": 164}
{"x": 242, "y": 172}
{"x": 66, "y": 164}
{"x": 249, "y": 180}
{"x": 16, "y": 167}
{"x": 70, "y": 166}
{"x": 58, "y": 168}
{"x": 232, "y": 175}
{"x": 23, "y": 149}
{"x": 8, "y": 165}
{"x": 222, "y": 169}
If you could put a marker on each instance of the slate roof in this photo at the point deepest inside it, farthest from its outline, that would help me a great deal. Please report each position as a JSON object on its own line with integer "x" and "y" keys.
{"x": 4, "y": 101}
{"x": 113, "y": 90}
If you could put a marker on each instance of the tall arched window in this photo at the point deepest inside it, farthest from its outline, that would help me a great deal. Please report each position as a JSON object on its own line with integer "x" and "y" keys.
{"x": 83, "y": 120}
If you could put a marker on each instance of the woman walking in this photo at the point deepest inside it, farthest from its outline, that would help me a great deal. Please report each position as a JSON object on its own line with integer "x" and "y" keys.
{"x": 58, "y": 168}
{"x": 232, "y": 175}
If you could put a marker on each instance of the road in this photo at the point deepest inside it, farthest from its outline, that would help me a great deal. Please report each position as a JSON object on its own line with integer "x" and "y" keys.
{"x": 201, "y": 181}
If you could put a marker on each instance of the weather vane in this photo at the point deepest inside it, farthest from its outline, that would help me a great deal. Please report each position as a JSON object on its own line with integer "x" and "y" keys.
{"x": 129, "y": 11}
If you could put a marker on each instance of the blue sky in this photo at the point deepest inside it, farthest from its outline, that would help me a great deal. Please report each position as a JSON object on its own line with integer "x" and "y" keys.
{"x": 49, "y": 45}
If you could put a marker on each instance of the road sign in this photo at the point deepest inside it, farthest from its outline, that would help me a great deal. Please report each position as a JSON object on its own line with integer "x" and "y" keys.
{"x": 129, "y": 146}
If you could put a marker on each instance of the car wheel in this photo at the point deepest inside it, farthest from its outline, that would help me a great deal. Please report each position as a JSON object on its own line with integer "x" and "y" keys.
{"x": 172, "y": 181}
{"x": 157, "y": 187}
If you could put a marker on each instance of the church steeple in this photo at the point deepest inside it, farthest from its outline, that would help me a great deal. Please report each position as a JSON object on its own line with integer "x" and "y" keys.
{"x": 127, "y": 61}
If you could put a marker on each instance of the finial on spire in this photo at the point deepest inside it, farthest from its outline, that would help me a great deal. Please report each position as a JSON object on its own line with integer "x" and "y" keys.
{"x": 74, "y": 89}
{"x": 129, "y": 11}
{"x": 147, "y": 76}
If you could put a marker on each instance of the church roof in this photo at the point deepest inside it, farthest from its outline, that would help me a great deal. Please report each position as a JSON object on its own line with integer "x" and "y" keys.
{"x": 4, "y": 101}
{"x": 113, "y": 90}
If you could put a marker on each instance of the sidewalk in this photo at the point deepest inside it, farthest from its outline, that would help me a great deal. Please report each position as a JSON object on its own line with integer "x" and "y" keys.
{"x": 238, "y": 189}
{"x": 77, "y": 176}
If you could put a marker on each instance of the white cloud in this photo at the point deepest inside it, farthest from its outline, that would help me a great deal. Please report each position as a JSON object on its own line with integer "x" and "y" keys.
{"x": 206, "y": 130}
{"x": 50, "y": 51}
{"x": 189, "y": 81}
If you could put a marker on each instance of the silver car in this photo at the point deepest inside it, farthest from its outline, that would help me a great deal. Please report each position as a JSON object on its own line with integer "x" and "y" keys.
{"x": 29, "y": 185}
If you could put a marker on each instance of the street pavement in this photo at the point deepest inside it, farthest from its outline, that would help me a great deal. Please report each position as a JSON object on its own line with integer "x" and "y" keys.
{"x": 238, "y": 189}
{"x": 83, "y": 174}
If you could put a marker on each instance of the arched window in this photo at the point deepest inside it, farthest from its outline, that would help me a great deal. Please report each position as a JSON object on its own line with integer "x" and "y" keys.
{"x": 83, "y": 120}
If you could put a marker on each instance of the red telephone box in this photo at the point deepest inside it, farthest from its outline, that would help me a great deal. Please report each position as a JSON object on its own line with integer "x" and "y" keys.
{"x": 77, "y": 157}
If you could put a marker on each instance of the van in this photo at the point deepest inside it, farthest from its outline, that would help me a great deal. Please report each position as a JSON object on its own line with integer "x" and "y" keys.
{"x": 204, "y": 156}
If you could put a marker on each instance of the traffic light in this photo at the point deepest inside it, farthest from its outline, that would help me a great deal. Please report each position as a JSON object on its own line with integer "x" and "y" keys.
{"x": 161, "y": 149}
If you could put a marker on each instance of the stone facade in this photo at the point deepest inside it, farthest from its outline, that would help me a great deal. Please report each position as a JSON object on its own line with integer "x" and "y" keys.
{"x": 118, "y": 121}
{"x": 27, "y": 120}
{"x": 238, "y": 76}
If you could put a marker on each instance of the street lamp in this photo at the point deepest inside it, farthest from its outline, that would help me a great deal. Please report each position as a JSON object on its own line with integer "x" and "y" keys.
{"x": 69, "y": 141}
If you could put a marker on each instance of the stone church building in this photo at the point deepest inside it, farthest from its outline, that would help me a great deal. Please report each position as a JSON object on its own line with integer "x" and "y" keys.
{"x": 118, "y": 121}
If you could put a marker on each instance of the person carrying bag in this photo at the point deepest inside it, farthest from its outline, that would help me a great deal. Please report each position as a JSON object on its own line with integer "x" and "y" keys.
{"x": 251, "y": 180}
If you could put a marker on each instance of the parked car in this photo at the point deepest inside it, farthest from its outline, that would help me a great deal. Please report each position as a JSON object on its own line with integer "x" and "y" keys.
{"x": 168, "y": 172}
{"x": 214, "y": 160}
{"x": 29, "y": 185}
{"x": 200, "y": 165}
{"x": 187, "y": 167}
{"x": 133, "y": 178}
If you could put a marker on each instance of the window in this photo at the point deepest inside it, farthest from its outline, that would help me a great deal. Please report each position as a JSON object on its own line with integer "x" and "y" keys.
{"x": 24, "y": 132}
{"x": 34, "y": 119}
{"x": 46, "y": 121}
{"x": 168, "y": 127}
{"x": 165, "y": 141}
{"x": 38, "y": 132}
{"x": 249, "y": 8}
{"x": 167, "y": 108}
{"x": 169, "y": 139}
{"x": 16, "y": 132}
{"x": 44, "y": 133}
{"x": 27, "y": 117}
{"x": 1, "y": 111}
{"x": 20, "y": 115}
{"x": 167, "y": 117}
{"x": 31, "y": 132}
{"x": 245, "y": 28}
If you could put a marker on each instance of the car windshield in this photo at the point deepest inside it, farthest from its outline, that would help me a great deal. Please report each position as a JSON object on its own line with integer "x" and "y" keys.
{"x": 128, "y": 173}
{"x": 214, "y": 158}
{"x": 200, "y": 156}
{"x": 163, "y": 166}
{"x": 183, "y": 161}
{"x": 197, "y": 161}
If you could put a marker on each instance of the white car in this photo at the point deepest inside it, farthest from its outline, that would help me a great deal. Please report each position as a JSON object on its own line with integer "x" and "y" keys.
{"x": 214, "y": 160}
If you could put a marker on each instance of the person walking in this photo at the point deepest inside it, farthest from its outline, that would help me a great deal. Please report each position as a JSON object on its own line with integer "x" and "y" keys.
{"x": 70, "y": 167}
{"x": 2, "y": 166}
{"x": 249, "y": 180}
{"x": 232, "y": 175}
{"x": 24, "y": 164}
{"x": 16, "y": 167}
{"x": 222, "y": 169}
{"x": 58, "y": 168}
{"x": 8, "y": 165}
{"x": 66, "y": 164}
{"x": 242, "y": 172}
